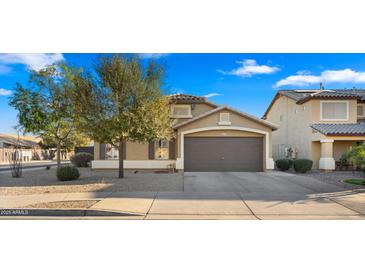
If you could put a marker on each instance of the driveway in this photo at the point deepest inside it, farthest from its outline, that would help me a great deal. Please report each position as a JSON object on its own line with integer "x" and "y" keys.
{"x": 258, "y": 195}
{"x": 255, "y": 183}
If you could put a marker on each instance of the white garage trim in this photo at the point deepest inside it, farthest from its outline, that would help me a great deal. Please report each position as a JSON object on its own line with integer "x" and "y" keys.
{"x": 269, "y": 162}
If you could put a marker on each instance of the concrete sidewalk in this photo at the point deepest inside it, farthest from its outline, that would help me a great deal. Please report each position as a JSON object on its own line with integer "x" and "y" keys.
{"x": 214, "y": 205}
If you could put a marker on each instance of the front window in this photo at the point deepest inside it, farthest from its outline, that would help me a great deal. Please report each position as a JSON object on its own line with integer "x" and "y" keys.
{"x": 334, "y": 110}
{"x": 111, "y": 152}
{"x": 162, "y": 149}
{"x": 181, "y": 111}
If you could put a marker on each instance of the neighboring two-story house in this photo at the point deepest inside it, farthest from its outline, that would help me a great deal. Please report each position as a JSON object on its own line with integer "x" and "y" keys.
{"x": 316, "y": 124}
{"x": 208, "y": 138}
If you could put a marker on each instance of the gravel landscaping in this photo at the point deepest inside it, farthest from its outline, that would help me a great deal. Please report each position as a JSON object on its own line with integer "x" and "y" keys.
{"x": 336, "y": 177}
{"x": 80, "y": 204}
{"x": 45, "y": 181}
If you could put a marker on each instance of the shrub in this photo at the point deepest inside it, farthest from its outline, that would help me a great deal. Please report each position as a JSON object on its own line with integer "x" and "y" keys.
{"x": 302, "y": 165}
{"x": 82, "y": 159}
{"x": 357, "y": 155}
{"x": 283, "y": 164}
{"x": 67, "y": 173}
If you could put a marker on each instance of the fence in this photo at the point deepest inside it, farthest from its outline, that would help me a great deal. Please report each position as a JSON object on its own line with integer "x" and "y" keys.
{"x": 27, "y": 155}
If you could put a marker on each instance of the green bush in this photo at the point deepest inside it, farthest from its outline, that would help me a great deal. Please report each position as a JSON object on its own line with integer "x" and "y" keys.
{"x": 68, "y": 173}
{"x": 357, "y": 155}
{"x": 302, "y": 165}
{"x": 82, "y": 159}
{"x": 283, "y": 164}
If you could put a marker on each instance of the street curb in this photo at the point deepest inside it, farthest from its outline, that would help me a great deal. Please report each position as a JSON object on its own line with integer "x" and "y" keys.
{"x": 19, "y": 212}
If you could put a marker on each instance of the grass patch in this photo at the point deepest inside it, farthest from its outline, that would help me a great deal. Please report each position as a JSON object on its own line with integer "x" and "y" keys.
{"x": 360, "y": 182}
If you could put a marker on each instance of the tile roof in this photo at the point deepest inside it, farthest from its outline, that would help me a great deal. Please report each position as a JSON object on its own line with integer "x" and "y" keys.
{"x": 340, "y": 129}
{"x": 305, "y": 95}
{"x": 296, "y": 95}
{"x": 187, "y": 98}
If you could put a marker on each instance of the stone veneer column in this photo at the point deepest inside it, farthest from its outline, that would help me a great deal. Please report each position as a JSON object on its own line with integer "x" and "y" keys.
{"x": 327, "y": 162}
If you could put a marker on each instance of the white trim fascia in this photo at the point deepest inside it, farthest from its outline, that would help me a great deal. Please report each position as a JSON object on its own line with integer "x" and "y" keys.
{"x": 268, "y": 161}
{"x": 334, "y": 101}
{"x": 326, "y": 141}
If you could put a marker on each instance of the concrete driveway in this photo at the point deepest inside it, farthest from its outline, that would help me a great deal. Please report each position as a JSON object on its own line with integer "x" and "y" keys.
{"x": 257, "y": 195}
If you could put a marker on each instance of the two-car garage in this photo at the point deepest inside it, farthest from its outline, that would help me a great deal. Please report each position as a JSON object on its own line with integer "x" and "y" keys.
{"x": 223, "y": 154}
{"x": 224, "y": 140}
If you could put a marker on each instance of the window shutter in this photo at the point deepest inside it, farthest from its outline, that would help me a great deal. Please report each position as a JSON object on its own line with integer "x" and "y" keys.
{"x": 172, "y": 149}
{"x": 102, "y": 152}
{"x": 151, "y": 150}
{"x": 360, "y": 111}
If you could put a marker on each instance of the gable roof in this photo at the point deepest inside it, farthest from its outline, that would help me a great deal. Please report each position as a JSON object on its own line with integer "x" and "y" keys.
{"x": 341, "y": 129}
{"x": 244, "y": 114}
{"x": 301, "y": 96}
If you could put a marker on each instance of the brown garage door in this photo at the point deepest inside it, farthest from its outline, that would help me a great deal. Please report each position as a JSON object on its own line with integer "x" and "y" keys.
{"x": 223, "y": 154}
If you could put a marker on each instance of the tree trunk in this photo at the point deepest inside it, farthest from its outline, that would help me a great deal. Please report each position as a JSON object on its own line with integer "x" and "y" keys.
{"x": 121, "y": 158}
{"x": 58, "y": 155}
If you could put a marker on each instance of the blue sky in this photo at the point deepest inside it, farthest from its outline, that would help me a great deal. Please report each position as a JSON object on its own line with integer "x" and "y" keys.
{"x": 244, "y": 81}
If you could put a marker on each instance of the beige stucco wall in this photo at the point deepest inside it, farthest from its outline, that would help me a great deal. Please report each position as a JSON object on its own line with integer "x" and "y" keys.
{"x": 316, "y": 117}
{"x": 136, "y": 151}
{"x": 236, "y": 121}
{"x": 294, "y": 127}
{"x": 339, "y": 147}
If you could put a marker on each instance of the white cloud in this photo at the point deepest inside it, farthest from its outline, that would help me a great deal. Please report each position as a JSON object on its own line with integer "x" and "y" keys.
{"x": 212, "y": 94}
{"x": 327, "y": 76}
{"x": 35, "y": 61}
{"x": 152, "y": 55}
{"x": 250, "y": 67}
{"x": 5, "y": 92}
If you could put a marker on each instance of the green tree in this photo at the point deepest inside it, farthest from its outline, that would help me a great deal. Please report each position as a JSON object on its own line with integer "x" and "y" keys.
{"x": 44, "y": 106}
{"x": 121, "y": 100}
